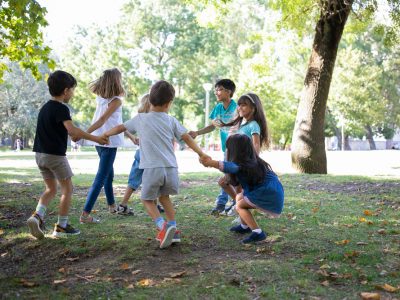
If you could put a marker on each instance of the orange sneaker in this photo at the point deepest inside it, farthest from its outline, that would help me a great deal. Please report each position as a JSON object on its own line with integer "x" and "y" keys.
{"x": 175, "y": 239}
{"x": 166, "y": 235}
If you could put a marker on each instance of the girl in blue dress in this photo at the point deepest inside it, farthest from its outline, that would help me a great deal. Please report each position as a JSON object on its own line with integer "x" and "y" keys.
{"x": 260, "y": 186}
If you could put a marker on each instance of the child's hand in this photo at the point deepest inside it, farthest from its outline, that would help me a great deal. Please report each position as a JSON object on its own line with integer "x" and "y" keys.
{"x": 205, "y": 160}
{"x": 75, "y": 138}
{"x": 193, "y": 134}
{"x": 217, "y": 123}
{"x": 103, "y": 140}
{"x": 136, "y": 141}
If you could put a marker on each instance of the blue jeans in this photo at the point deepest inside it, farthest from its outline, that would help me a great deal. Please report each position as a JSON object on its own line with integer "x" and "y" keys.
{"x": 104, "y": 177}
{"x": 135, "y": 176}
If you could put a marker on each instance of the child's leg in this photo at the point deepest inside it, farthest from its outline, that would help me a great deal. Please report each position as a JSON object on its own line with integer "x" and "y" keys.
{"x": 229, "y": 189}
{"x": 127, "y": 195}
{"x": 66, "y": 195}
{"x": 108, "y": 189}
{"x": 107, "y": 157}
{"x": 48, "y": 195}
{"x": 246, "y": 216}
{"x": 168, "y": 207}
{"x": 151, "y": 209}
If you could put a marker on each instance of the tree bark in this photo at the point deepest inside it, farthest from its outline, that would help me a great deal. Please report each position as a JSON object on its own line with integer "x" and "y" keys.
{"x": 308, "y": 148}
{"x": 370, "y": 137}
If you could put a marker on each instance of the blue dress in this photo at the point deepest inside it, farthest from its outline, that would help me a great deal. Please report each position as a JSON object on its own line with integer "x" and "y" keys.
{"x": 267, "y": 196}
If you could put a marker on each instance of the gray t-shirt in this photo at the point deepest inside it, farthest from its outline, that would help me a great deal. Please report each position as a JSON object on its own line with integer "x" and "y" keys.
{"x": 156, "y": 131}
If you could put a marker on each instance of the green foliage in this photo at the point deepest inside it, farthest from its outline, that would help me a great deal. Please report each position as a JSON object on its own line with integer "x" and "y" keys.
{"x": 21, "y": 37}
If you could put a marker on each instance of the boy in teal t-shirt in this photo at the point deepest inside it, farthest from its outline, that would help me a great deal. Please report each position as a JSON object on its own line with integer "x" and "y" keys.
{"x": 224, "y": 111}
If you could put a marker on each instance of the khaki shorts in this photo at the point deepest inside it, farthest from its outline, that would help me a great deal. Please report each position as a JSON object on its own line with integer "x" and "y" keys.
{"x": 159, "y": 182}
{"x": 53, "y": 166}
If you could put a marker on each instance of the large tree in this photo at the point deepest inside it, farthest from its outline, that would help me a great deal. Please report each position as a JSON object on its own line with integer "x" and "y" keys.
{"x": 21, "y": 39}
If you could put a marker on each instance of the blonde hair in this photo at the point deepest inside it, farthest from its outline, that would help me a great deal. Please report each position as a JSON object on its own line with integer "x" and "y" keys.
{"x": 144, "y": 104}
{"x": 108, "y": 85}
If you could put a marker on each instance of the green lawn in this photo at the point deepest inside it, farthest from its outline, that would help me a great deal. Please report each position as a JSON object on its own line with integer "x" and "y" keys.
{"x": 338, "y": 236}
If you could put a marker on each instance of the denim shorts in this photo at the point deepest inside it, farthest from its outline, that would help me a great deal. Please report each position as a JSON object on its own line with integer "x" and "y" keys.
{"x": 159, "y": 182}
{"x": 135, "y": 175}
{"x": 53, "y": 166}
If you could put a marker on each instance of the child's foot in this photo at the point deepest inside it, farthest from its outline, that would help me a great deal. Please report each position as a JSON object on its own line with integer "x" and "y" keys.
{"x": 239, "y": 229}
{"x": 160, "y": 208}
{"x": 218, "y": 209}
{"x": 67, "y": 231}
{"x": 88, "y": 220}
{"x": 112, "y": 209}
{"x": 165, "y": 235}
{"x": 36, "y": 226}
{"x": 124, "y": 210}
{"x": 254, "y": 237}
{"x": 175, "y": 239}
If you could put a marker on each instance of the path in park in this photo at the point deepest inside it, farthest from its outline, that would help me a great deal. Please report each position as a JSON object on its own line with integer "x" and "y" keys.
{"x": 384, "y": 163}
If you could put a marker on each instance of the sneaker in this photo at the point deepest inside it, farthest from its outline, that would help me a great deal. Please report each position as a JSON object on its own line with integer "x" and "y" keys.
{"x": 160, "y": 208}
{"x": 165, "y": 235}
{"x": 124, "y": 210}
{"x": 218, "y": 209}
{"x": 88, "y": 220}
{"x": 232, "y": 212}
{"x": 175, "y": 239}
{"x": 36, "y": 226}
{"x": 240, "y": 229}
{"x": 237, "y": 221}
{"x": 68, "y": 230}
{"x": 254, "y": 237}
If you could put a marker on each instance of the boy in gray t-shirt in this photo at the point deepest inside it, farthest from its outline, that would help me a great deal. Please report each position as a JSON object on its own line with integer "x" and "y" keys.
{"x": 157, "y": 131}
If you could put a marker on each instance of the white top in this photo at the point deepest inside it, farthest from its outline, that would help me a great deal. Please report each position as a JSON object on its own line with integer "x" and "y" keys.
{"x": 114, "y": 120}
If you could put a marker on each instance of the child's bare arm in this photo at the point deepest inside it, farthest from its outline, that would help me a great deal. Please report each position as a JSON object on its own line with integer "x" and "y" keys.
{"x": 116, "y": 130}
{"x": 193, "y": 145}
{"x": 133, "y": 138}
{"x": 208, "y": 162}
{"x": 204, "y": 130}
{"x": 77, "y": 133}
{"x": 112, "y": 107}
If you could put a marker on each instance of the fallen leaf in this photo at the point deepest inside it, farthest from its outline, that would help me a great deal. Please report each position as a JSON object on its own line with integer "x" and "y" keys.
{"x": 387, "y": 287}
{"x": 370, "y": 296}
{"x": 325, "y": 266}
{"x": 370, "y": 223}
{"x": 124, "y": 266}
{"x": 273, "y": 239}
{"x": 61, "y": 270}
{"x": 131, "y": 286}
{"x": 98, "y": 271}
{"x": 94, "y": 211}
{"x": 348, "y": 225}
{"x": 325, "y": 283}
{"x": 27, "y": 283}
{"x": 59, "y": 281}
{"x": 352, "y": 254}
{"x": 342, "y": 242}
{"x": 368, "y": 212}
{"x": 145, "y": 282}
{"x": 72, "y": 258}
{"x": 315, "y": 209}
{"x": 1, "y": 231}
{"x": 362, "y": 219}
{"x": 4, "y": 254}
{"x": 382, "y": 231}
{"x": 177, "y": 275}
{"x": 136, "y": 272}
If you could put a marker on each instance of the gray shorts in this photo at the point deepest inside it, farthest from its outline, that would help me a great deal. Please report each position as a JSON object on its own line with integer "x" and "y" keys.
{"x": 159, "y": 182}
{"x": 53, "y": 166}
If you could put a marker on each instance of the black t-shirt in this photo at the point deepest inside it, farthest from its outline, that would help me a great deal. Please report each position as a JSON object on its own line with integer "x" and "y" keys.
{"x": 51, "y": 135}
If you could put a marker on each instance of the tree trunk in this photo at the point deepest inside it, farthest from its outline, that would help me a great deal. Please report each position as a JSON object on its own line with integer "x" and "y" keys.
{"x": 308, "y": 152}
{"x": 370, "y": 137}
{"x": 347, "y": 143}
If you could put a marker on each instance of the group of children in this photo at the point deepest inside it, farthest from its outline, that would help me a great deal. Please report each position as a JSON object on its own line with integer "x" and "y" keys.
{"x": 248, "y": 180}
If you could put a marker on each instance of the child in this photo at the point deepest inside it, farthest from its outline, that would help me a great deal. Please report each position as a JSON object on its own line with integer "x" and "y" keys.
{"x": 108, "y": 114}
{"x": 224, "y": 112}
{"x": 157, "y": 131}
{"x": 261, "y": 187}
{"x": 250, "y": 121}
{"x": 53, "y": 127}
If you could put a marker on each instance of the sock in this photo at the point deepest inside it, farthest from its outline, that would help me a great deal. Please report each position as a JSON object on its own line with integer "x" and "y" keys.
{"x": 62, "y": 221}
{"x": 41, "y": 210}
{"x": 159, "y": 222}
{"x": 258, "y": 230}
{"x": 244, "y": 226}
{"x": 172, "y": 223}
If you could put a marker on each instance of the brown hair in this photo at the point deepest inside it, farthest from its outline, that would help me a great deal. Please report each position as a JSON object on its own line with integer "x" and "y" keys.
{"x": 108, "y": 85}
{"x": 162, "y": 92}
{"x": 144, "y": 104}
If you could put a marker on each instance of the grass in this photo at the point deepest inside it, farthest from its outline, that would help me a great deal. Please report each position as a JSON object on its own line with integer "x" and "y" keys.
{"x": 338, "y": 236}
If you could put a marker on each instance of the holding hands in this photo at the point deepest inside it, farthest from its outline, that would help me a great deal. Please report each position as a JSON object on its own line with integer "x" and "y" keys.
{"x": 205, "y": 160}
{"x": 193, "y": 134}
{"x": 102, "y": 139}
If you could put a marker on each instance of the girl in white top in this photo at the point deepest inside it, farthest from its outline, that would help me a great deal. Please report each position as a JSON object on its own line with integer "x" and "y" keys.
{"x": 108, "y": 114}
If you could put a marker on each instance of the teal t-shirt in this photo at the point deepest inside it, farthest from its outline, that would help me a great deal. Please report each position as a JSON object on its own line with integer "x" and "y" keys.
{"x": 225, "y": 115}
{"x": 249, "y": 128}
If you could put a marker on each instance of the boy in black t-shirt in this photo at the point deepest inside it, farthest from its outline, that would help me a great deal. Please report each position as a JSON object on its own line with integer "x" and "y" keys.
{"x": 53, "y": 127}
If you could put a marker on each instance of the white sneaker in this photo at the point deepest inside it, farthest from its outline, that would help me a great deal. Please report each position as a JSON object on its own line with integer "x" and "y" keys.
{"x": 232, "y": 212}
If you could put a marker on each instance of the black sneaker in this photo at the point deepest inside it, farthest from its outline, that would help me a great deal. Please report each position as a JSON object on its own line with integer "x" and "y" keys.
{"x": 124, "y": 210}
{"x": 218, "y": 209}
{"x": 36, "y": 226}
{"x": 67, "y": 231}
{"x": 240, "y": 229}
{"x": 160, "y": 208}
{"x": 254, "y": 237}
